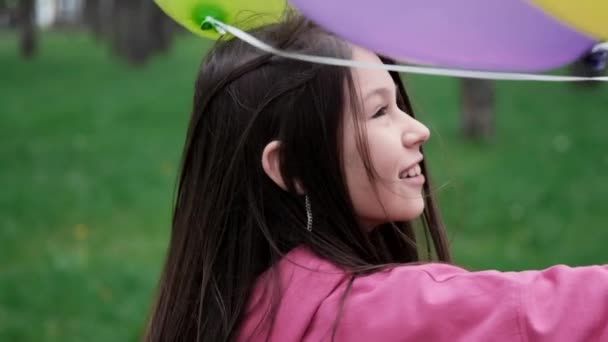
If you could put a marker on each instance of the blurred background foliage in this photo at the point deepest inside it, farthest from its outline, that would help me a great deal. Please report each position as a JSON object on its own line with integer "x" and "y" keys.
{"x": 94, "y": 105}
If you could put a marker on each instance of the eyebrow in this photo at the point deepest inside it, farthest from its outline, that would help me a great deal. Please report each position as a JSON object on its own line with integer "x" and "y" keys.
{"x": 380, "y": 91}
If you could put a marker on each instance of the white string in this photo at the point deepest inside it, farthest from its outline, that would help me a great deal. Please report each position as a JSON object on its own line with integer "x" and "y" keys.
{"x": 222, "y": 28}
{"x": 600, "y": 47}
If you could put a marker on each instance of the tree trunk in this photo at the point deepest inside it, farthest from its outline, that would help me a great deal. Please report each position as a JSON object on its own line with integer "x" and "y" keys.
{"x": 478, "y": 109}
{"x": 92, "y": 17}
{"x": 27, "y": 17}
{"x": 134, "y": 29}
{"x": 131, "y": 35}
{"x": 160, "y": 28}
{"x": 107, "y": 20}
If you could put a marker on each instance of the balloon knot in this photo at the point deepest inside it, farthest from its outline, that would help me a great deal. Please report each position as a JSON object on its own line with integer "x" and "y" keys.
{"x": 206, "y": 25}
{"x": 205, "y": 13}
{"x": 211, "y": 23}
{"x": 597, "y": 58}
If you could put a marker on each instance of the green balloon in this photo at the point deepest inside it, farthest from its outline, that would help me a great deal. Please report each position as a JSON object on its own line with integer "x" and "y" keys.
{"x": 202, "y": 11}
{"x": 192, "y": 13}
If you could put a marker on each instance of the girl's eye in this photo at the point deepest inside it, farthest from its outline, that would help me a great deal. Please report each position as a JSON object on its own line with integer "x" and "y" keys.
{"x": 380, "y": 112}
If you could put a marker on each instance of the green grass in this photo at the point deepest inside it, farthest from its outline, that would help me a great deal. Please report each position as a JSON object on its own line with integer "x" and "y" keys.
{"x": 89, "y": 149}
{"x": 89, "y": 156}
{"x": 534, "y": 197}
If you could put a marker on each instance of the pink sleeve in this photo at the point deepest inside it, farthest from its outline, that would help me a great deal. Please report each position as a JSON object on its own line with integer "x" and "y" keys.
{"x": 445, "y": 303}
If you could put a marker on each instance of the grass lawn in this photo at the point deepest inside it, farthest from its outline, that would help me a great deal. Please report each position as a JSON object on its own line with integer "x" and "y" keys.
{"x": 89, "y": 157}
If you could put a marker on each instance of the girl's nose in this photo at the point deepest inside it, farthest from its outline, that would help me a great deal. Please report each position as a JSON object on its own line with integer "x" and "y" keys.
{"x": 415, "y": 134}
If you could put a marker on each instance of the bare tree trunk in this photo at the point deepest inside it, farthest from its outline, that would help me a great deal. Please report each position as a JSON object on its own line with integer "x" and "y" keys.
{"x": 107, "y": 21}
{"x": 92, "y": 17}
{"x": 27, "y": 17}
{"x": 131, "y": 35}
{"x": 478, "y": 109}
{"x": 161, "y": 29}
{"x": 134, "y": 29}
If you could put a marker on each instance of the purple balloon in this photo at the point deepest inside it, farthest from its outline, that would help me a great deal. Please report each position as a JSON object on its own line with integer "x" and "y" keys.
{"x": 498, "y": 35}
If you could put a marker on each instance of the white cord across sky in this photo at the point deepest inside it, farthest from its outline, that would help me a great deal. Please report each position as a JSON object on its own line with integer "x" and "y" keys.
{"x": 222, "y": 28}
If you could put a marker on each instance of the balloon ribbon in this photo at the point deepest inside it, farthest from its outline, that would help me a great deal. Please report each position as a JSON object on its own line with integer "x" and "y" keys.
{"x": 223, "y": 28}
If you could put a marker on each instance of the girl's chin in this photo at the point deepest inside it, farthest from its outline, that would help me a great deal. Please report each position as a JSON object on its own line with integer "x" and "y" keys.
{"x": 399, "y": 211}
{"x": 412, "y": 212}
{"x": 370, "y": 225}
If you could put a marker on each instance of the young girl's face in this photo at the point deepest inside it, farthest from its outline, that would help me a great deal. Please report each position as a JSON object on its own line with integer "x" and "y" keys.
{"x": 394, "y": 139}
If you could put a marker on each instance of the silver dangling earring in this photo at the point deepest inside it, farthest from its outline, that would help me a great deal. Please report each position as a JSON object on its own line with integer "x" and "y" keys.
{"x": 308, "y": 214}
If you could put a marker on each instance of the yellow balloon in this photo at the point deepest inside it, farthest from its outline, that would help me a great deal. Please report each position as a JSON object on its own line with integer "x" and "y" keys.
{"x": 587, "y": 16}
{"x": 191, "y": 13}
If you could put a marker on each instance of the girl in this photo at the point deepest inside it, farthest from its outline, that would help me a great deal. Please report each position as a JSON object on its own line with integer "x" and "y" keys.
{"x": 301, "y": 202}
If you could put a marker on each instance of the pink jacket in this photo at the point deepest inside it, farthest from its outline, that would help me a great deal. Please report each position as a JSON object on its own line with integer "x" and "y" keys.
{"x": 432, "y": 302}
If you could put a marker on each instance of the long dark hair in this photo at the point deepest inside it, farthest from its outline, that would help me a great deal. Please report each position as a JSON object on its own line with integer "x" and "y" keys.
{"x": 231, "y": 222}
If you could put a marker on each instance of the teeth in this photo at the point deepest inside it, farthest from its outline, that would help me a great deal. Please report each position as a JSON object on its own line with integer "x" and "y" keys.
{"x": 411, "y": 172}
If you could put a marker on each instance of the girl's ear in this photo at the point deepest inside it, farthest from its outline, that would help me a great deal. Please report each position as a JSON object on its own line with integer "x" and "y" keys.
{"x": 271, "y": 163}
